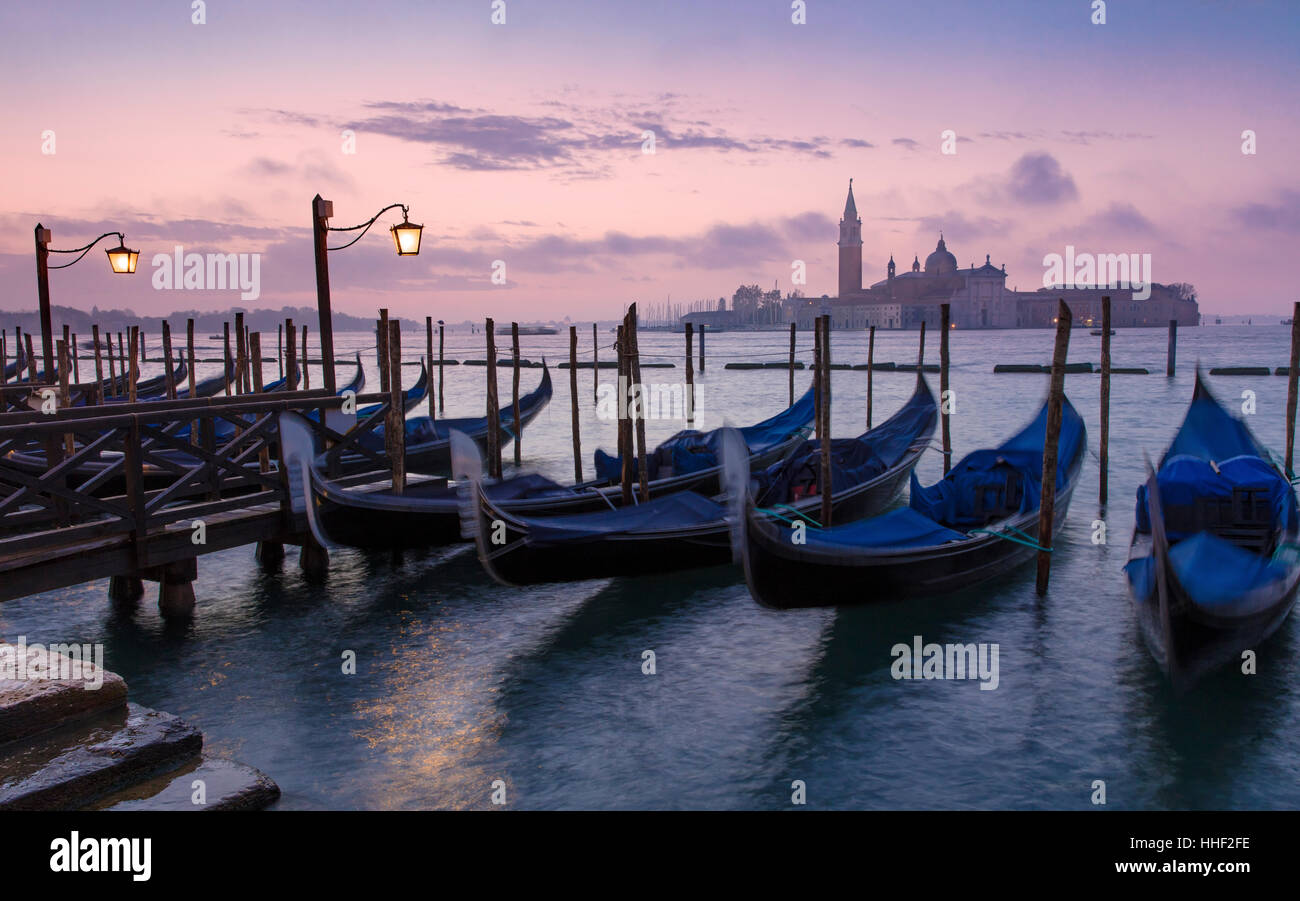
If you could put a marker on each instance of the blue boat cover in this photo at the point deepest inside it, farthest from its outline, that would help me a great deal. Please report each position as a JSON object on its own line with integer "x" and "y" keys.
{"x": 1211, "y": 432}
{"x": 854, "y": 461}
{"x": 685, "y": 509}
{"x": 986, "y": 485}
{"x": 999, "y": 482}
{"x": 1217, "y": 575}
{"x": 692, "y": 451}
{"x": 423, "y": 430}
{"x": 1184, "y": 479}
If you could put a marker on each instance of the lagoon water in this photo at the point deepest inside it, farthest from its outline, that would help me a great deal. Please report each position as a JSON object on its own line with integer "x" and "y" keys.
{"x": 461, "y": 682}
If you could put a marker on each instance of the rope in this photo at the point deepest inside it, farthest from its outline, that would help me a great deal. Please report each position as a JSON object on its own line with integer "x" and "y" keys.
{"x": 1024, "y": 539}
{"x": 799, "y": 513}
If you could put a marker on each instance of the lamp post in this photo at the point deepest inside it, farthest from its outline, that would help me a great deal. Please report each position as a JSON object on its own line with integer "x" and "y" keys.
{"x": 406, "y": 239}
{"x": 121, "y": 259}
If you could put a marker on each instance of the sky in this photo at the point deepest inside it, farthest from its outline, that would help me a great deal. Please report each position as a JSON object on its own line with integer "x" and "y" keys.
{"x": 522, "y": 144}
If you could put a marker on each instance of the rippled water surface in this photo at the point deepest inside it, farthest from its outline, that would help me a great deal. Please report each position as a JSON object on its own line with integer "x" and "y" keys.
{"x": 462, "y": 682}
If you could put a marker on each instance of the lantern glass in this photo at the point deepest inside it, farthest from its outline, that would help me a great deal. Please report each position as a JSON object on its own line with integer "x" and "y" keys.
{"x": 406, "y": 237}
{"x": 123, "y": 259}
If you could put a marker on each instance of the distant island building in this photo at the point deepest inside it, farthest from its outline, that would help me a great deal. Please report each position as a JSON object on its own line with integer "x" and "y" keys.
{"x": 978, "y": 296}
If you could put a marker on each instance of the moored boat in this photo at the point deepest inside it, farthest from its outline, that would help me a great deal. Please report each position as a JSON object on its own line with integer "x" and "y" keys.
{"x": 1214, "y": 563}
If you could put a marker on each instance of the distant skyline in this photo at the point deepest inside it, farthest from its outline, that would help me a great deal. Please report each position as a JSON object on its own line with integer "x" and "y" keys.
{"x": 523, "y": 142}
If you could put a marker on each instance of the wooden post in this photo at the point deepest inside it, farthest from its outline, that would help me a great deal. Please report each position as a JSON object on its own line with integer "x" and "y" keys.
{"x": 135, "y": 362}
{"x": 442, "y": 401}
{"x": 193, "y": 377}
{"x": 1172, "y": 357}
{"x": 228, "y": 361}
{"x": 65, "y": 394}
{"x": 31, "y": 359}
{"x": 701, "y": 348}
{"x": 169, "y": 377}
{"x": 396, "y": 426}
{"x": 1292, "y": 373}
{"x": 43, "y": 298}
{"x": 290, "y": 354}
{"x": 99, "y": 365}
{"x": 624, "y": 424}
{"x": 381, "y": 349}
{"x": 4, "y": 361}
{"x": 920, "y": 352}
{"x": 690, "y": 377}
{"x": 241, "y": 356}
{"x": 791, "y": 366}
{"x": 871, "y": 365}
{"x": 595, "y": 366}
{"x": 1103, "y": 456}
{"x": 1055, "y": 405}
{"x": 321, "y": 210}
{"x": 255, "y": 351}
{"x": 638, "y": 391}
{"x": 306, "y": 362}
{"x": 76, "y": 360}
{"x": 493, "y": 408}
{"x": 428, "y": 355}
{"x": 112, "y": 365}
{"x": 826, "y": 486}
{"x": 817, "y": 376}
{"x": 279, "y": 348}
{"x": 514, "y": 396}
{"x": 945, "y": 313}
{"x": 573, "y": 402}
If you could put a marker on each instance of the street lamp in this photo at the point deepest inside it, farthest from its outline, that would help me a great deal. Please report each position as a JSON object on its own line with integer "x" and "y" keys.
{"x": 406, "y": 239}
{"x": 121, "y": 258}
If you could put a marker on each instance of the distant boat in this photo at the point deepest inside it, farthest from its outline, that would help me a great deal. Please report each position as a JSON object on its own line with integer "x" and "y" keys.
{"x": 537, "y": 330}
{"x": 1097, "y": 332}
{"x": 1287, "y": 321}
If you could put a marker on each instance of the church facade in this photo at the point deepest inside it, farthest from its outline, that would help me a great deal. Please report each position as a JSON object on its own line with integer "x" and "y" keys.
{"x": 978, "y": 296}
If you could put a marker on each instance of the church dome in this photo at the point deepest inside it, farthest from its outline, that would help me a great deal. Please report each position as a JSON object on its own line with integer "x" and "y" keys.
{"x": 941, "y": 262}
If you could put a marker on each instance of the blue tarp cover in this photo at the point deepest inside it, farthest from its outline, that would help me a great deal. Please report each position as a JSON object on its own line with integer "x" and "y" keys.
{"x": 969, "y": 495}
{"x": 691, "y": 450}
{"x": 853, "y": 460}
{"x": 1215, "y": 573}
{"x": 1211, "y": 433}
{"x": 1184, "y": 478}
{"x": 674, "y": 511}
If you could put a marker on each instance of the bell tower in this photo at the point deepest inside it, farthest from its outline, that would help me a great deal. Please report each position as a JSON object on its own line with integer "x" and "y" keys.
{"x": 850, "y": 247}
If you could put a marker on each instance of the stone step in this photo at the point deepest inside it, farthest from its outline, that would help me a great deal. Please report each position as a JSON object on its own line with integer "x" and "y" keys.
{"x": 35, "y": 704}
{"x": 227, "y": 785}
{"x": 79, "y": 763}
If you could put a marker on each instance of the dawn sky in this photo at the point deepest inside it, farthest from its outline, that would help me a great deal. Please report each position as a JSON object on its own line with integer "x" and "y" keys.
{"x": 522, "y": 142}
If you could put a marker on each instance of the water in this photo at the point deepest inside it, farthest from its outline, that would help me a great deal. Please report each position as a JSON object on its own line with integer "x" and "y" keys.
{"x": 461, "y": 682}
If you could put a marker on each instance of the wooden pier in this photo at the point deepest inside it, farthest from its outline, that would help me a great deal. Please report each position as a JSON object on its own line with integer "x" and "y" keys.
{"x": 138, "y": 492}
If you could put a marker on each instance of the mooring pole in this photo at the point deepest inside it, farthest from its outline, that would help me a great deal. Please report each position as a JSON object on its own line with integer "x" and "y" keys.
{"x": 1103, "y": 455}
{"x": 228, "y": 362}
{"x": 1173, "y": 348}
{"x": 31, "y": 358}
{"x": 638, "y": 408}
{"x": 428, "y": 356}
{"x": 321, "y": 211}
{"x": 1055, "y": 406}
{"x": 690, "y": 376}
{"x": 827, "y": 493}
{"x": 255, "y": 355}
{"x": 817, "y": 376}
{"x": 112, "y": 365}
{"x": 99, "y": 365}
{"x": 290, "y": 354}
{"x": 241, "y": 356}
{"x": 397, "y": 406}
{"x": 920, "y": 352}
{"x": 871, "y": 366}
{"x": 135, "y": 364}
{"x": 381, "y": 349}
{"x": 494, "y": 409}
{"x": 1292, "y": 373}
{"x": 169, "y": 377}
{"x": 595, "y": 366}
{"x": 945, "y": 313}
{"x": 306, "y": 362}
{"x": 573, "y": 403}
{"x": 624, "y": 424}
{"x": 279, "y": 348}
{"x": 790, "y": 368}
{"x": 701, "y": 348}
{"x": 442, "y": 400}
{"x": 514, "y": 392}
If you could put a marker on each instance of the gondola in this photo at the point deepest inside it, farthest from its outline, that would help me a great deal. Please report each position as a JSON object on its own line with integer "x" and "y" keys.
{"x": 1215, "y": 558}
{"x": 427, "y": 450}
{"x": 427, "y": 513}
{"x": 978, "y": 522}
{"x": 687, "y": 529}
